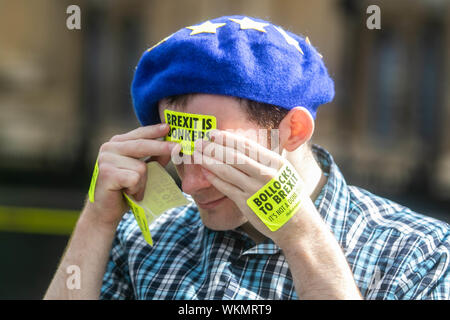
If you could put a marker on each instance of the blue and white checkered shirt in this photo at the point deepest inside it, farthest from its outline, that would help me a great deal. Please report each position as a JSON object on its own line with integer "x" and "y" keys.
{"x": 394, "y": 253}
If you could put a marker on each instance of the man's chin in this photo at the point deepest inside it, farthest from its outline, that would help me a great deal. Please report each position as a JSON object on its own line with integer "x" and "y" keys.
{"x": 225, "y": 216}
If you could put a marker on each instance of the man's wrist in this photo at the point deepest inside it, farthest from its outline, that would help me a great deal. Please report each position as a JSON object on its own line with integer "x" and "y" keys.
{"x": 312, "y": 251}
{"x": 303, "y": 226}
{"x": 90, "y": 217}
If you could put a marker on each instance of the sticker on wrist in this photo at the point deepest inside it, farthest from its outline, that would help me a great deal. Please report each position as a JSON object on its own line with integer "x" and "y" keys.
{"x": 279, "y": 199}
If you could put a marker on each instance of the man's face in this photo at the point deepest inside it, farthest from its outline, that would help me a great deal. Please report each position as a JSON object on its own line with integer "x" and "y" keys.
{"x": 217, "y": 211}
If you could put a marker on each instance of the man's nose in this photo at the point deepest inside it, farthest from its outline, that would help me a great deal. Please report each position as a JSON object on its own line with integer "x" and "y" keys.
{"x": 193, "y": 179}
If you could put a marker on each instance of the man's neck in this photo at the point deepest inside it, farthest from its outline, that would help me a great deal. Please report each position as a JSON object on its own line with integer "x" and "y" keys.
{"x": 308, "y": 169}
{"x": 310, "y": 173}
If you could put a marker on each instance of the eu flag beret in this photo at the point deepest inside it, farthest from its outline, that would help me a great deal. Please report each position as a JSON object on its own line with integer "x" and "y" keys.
{"x": 235, "y": 56}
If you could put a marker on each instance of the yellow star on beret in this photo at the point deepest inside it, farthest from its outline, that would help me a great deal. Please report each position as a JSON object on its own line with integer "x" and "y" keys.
{"x": 205, "y": 27}
{"x": 309, "y": 42}
{"x": 289, "y": 39}
{"x": 162, "y": 41}
{"x": 247, "y": 23}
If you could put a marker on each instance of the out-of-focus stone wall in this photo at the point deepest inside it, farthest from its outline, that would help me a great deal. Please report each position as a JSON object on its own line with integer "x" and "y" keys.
{"x": 64, "y": 92}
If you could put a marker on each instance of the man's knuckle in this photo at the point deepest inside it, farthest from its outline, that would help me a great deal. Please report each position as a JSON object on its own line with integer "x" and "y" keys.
{"x": 141, "y": 168}
{"x": 116, "y": 138}
{"x": 103, "y": 158}
{"x": 123, "y": 179}
{"x": 105, "y": 170}
{"x": 105, "y": 146}
{"x": 133, "y": 178}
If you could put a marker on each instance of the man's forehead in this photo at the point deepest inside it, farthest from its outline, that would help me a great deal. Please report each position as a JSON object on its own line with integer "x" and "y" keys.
{"x": 227, "y": 110}
{"x": 193, "y": 121}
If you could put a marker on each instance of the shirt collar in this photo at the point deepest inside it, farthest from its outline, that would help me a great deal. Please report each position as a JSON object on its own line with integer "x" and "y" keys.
{"x": 334, "y": 199}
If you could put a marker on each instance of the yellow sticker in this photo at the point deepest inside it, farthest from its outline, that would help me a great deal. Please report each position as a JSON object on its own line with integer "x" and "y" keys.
{"x": 186, "y": 128}
{"x": 279, "y": 199}
{"x": 161, "y": 194}
{"x": 93, "y": 183}
{"x": 140, "y": 216}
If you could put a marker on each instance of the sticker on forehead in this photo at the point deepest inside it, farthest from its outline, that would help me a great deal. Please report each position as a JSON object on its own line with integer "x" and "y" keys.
{"x": 186, "y": 128}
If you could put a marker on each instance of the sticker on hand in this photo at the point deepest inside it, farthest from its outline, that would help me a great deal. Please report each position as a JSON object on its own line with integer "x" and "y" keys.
{"x": 276, "y": 201}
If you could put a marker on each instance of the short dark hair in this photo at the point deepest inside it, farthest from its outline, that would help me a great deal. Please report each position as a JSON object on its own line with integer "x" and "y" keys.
{"x": 265, "y": 115}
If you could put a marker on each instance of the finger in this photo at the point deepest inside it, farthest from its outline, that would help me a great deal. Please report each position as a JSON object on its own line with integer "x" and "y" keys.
{"x": 138, "y": 190}
{"x": 140, "y": 148}
{"x": 227, "y": 173}
{"x": 127, "y": 163}
{"x": 231, "y": 191}
{"x": 234, "y": 158}
{"x": 176, "y": 155}
{"x": 164, "y": 160}
{"x": 116, "y": 179}
{"x": 248, "y": 147}
{"x": 122, "y": 162}
{"x": 132, "y": 183}
{"x": 147, "y": 132}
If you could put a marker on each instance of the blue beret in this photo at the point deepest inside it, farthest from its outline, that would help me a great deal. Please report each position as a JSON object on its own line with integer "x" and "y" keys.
{"x": 235, "y": 56}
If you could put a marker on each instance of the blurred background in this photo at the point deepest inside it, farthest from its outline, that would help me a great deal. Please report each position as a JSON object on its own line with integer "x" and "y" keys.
{"x": 65, "y": 92}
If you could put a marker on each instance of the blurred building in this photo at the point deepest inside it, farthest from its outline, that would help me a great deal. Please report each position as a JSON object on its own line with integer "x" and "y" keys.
{"x": 64, "y": 92}
{"x": 396, "y": 103}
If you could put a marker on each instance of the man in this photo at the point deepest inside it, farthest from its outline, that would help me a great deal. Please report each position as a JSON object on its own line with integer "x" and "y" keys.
{"x": 341, "y": 242}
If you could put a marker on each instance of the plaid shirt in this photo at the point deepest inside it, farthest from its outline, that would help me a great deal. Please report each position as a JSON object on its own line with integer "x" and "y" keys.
{"x": 394, "y": 253}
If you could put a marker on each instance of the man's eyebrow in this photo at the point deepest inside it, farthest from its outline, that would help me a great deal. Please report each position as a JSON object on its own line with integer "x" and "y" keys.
{"x": 178, "y": 107}
{"x": 166, "y": 105}
{"x": 174, "y": 106}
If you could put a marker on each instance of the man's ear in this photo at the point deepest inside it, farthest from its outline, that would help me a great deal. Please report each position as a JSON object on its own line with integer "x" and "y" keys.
{"x": 296, "y": 128}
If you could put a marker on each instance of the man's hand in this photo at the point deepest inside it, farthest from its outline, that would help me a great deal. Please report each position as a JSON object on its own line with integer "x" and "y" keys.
{"x": 316, "y": 261}
{"x": 239, "y": 167}
{"x": 122, "y": 170}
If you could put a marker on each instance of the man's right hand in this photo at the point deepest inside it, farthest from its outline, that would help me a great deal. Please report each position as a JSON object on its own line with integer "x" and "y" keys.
{"x": 121, "y": 168}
